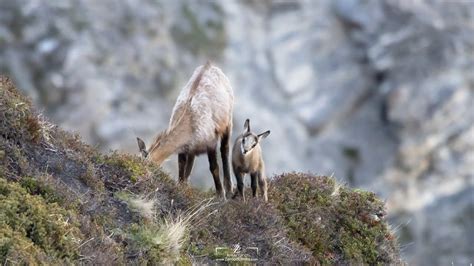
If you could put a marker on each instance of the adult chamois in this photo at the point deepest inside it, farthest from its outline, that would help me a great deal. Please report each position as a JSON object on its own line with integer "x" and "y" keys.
{"x": 202, "y": 116}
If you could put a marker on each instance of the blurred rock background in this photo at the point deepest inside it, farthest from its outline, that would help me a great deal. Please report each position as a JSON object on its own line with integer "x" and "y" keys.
{"x": 378, "y": 93}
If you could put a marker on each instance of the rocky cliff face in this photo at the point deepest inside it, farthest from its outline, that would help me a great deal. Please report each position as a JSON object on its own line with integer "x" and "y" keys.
{"x": 379, "y": 93}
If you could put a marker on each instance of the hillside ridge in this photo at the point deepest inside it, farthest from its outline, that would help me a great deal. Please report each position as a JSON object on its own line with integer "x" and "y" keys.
{"x": 62, "y": 201}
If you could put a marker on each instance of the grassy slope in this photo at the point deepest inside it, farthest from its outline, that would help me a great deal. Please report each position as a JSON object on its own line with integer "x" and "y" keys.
{"x": 62, "y": 201}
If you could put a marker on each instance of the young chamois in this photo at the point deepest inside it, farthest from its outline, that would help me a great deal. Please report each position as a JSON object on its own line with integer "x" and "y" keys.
{"x": 247, "y": 158}
{"x": 201, "y": 117}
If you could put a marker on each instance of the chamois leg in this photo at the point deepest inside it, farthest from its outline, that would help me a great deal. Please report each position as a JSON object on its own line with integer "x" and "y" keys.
{"x": 225, "y": 162}
{"x": 214, "y": 168}
{"x": 189, "y": 166}
{"x": 253, "y": 183}
{"x": 262, "y": 184}
{"x": 240, "y": 184}
{"x": 181, "y": 167}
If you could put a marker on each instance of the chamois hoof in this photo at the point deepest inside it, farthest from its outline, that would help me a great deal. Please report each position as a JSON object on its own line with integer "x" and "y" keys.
{"x": 238, "y": 196}
{"x": 220, "y": 195}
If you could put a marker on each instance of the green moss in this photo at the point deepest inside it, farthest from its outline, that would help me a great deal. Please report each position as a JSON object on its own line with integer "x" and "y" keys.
{"x": 130, "y": 166}
{"x": 303, "y": 204}
{"x": 362, "y": 233}
{"x": 27, "y": 218}
{"x": 91, "y": 179}
{"x": 336, "y": 223}
{"x": 15, "y": 248}
{"x": 35, "y": 187}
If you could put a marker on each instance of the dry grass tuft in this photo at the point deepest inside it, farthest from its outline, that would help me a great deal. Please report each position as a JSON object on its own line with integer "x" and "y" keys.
{"x": 162, "y": 242}
{"x": 144, "y": 207}
{"x": 139, "y": 204}
{"x": 176, "y": 227}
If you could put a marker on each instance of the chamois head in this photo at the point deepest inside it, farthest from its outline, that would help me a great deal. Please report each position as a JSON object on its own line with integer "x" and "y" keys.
{"x": 142, "y": 147}
{"x": 157, "y": 152}
{"x": 249, "y": 139}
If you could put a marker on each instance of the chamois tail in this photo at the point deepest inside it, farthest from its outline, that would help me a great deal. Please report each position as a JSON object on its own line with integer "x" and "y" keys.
{"x": 199, "y": 77}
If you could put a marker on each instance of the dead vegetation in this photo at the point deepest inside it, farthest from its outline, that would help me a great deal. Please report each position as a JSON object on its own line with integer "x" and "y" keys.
{"x": 61, "y": 202}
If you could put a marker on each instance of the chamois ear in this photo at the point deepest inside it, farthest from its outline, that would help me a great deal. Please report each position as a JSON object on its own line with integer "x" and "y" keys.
{"x": 142, "y": 147}
{"x": 247, "y": 126}
{"x": 263, "y": 135}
